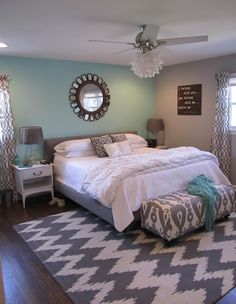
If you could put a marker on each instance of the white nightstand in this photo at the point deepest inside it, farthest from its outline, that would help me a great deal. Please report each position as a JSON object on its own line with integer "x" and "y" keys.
{"x": 32, "y": 180}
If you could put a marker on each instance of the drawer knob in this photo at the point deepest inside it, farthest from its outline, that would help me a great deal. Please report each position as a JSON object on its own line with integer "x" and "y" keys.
{"x": 37, "y": 174}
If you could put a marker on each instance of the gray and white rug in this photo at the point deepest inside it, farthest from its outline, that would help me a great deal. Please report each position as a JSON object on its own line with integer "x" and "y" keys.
{"x": 95, "y": 264}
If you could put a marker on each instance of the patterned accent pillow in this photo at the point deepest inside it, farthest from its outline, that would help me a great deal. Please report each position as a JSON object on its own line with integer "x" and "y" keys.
{"x": 118, "y": 137}
{"x": 98, "y": 144}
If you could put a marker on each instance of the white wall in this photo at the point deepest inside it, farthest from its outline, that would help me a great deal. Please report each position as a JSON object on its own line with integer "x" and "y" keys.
{"x": 185, "y": 130}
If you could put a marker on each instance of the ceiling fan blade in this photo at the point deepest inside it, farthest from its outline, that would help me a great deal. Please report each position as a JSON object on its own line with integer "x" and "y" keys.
{"x": 109, "y": 41}
{"x": 124, "y": 51}
{"x": 182, "y": 40}
{"x": 150, "y": 32}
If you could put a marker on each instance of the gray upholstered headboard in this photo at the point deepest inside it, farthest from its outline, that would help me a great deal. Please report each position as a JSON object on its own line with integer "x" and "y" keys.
{"x": 50, "y": 143}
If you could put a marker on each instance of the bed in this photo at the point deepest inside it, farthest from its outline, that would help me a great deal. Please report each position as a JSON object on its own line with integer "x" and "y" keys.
{"x": 114, "y": 187}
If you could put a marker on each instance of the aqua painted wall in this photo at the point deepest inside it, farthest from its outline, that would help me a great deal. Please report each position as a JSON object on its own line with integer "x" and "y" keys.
{"x": 40, "y": 88}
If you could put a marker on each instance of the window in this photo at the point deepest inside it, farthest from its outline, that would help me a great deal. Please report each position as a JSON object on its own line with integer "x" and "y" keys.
{"x": 232, "y": 96}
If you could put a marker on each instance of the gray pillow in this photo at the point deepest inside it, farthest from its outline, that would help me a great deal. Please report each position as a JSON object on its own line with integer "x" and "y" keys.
{"x": 98, "y": 143}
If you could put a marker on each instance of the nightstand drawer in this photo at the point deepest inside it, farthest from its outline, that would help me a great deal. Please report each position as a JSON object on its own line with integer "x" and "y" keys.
{"x": 37, "y": 172}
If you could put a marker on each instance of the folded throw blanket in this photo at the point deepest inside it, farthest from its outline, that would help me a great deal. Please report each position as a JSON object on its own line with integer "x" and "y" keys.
{"x": 202, "y": 186}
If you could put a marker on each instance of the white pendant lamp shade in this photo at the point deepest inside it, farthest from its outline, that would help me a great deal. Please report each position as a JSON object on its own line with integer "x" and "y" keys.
{"x": 146, "y": 64}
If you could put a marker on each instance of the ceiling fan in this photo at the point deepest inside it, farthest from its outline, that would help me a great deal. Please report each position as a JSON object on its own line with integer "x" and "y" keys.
{"x": 146, "y": 40}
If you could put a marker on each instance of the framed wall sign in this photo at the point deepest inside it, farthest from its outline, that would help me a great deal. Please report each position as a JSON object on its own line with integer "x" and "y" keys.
{"x": 189, "y": 98}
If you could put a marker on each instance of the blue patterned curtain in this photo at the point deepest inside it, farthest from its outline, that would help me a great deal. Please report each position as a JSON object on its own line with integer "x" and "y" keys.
{"x": 221, "y": 139}
{"x": 7, "y": 137}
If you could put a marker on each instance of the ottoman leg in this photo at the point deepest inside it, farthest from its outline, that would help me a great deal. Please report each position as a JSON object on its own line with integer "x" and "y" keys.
{"x": 170, "y": 243}
{"x": 226, "y": 217}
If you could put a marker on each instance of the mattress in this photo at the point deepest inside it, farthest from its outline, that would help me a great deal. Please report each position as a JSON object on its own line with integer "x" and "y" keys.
{"x": 133, "y": 190}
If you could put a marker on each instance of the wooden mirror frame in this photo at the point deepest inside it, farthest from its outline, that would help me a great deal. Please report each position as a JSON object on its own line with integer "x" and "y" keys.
{"x": 76, "y": 103}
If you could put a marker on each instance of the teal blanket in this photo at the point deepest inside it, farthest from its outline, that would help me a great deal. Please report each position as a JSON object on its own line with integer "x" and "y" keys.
{"x": 202, "y": 186}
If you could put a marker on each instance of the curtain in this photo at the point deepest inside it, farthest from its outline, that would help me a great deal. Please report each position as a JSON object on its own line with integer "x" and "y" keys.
{"x": 221, "y": 139}
{"x": 7, "y": 137}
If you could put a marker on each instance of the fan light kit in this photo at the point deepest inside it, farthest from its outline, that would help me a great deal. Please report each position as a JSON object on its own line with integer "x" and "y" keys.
{"x": 3, "y": 45}
{"x": 148, "y": 62}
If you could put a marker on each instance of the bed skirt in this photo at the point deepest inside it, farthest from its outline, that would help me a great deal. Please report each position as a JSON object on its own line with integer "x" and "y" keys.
{"x": 90, "y": 203}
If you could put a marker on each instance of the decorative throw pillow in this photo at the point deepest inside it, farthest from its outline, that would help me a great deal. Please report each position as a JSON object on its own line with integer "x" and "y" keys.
{"x": 118, "y": 137}
{"x": 118, "y": 149}
{"x": 98, "y": 143}
{"x": 112, "y": 150}
{"x": 125, "y": 147}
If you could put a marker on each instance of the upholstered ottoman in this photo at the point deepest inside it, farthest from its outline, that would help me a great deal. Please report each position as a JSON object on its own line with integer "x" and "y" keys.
{"x": 175, "y": 214}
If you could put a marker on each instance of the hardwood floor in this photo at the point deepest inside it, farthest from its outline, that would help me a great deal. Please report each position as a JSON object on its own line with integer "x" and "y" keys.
{"x": 26, "y": 281}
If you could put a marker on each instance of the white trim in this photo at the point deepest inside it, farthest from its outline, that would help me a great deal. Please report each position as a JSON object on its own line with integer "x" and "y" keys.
{"x": 233, "y": 131}
{"x": 232, "y": 83}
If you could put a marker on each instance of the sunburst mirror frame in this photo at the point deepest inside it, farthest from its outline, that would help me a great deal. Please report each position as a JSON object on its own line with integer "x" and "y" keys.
{"x": 77, "y": 104}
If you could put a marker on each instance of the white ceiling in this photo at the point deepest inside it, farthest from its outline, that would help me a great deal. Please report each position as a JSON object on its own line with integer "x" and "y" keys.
{"x": 61, "y": 29}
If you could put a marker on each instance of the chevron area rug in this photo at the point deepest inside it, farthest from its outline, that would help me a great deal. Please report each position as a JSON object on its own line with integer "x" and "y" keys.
{"x": 95, "y": 264}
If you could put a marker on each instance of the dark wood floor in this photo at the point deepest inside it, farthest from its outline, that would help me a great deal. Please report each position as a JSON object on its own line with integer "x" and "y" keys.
{"x": 26, "y": 281}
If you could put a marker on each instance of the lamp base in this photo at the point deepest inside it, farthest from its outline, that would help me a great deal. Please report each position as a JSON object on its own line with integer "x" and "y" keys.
{"x": 152, "y": 143}
{"x": 26, "y": 163}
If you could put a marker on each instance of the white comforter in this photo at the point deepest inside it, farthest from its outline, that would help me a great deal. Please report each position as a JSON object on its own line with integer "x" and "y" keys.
{"x": 102, "y": 181}
{"x": 124, "y": 183}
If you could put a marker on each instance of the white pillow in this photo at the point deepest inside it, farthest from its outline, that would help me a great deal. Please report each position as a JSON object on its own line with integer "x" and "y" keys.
{"x": 118, "y": 149}
{"x": 136, "y": 141}
{"x": 75, "y": 148}
{"x": 124, "y": 147}
{"x": 77, "y": 153}
{"x": 112, "y": 150}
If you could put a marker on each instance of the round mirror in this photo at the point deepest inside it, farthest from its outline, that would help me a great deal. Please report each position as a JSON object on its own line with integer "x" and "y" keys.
{"x": 89, "y": 97}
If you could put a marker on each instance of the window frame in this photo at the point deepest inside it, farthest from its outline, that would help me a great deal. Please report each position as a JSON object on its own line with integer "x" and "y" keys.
{"x": 232, "y": 83}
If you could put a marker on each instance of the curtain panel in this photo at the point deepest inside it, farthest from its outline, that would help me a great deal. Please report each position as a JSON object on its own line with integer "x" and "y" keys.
{"x": 7, "y": 136}
{"x": 221, "y": 138}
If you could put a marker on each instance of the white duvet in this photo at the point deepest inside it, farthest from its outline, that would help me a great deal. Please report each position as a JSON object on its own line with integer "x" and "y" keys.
{"x": 123, "y": 183}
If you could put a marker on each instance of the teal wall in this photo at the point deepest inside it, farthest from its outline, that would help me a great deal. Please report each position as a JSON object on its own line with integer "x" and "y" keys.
{"x": 40, "y": 88}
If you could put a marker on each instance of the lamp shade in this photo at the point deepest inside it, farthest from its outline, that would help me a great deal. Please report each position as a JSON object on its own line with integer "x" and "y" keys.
{"x": 31, "y": 135}
{"x": 146, "y": 64}
{"x": 155, "y": 125}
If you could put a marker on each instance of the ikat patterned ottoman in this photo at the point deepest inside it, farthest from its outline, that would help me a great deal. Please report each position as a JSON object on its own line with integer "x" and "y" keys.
{"x": 175, "y": 214}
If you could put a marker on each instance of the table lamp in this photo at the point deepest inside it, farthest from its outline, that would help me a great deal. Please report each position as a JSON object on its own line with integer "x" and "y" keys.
{"x": 154, "y": 125}
{"x": 31, "y": 135}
